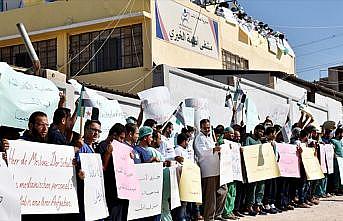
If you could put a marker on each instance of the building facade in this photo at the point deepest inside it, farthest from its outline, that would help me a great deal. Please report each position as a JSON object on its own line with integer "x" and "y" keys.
{"x": 116, "y": 44}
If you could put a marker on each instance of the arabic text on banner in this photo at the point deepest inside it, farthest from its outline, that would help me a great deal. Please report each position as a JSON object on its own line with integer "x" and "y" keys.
{"x": 94, "y": 189}
{"x": 190, "y": 182}
{"x": 236, "y": 161}
{"x": 23, "y": 94}
{"x": 288, "y": 160}
{"x": 150, "y": 176}
{"x": 128, "y": 186}
{"x": 226, "y": 174}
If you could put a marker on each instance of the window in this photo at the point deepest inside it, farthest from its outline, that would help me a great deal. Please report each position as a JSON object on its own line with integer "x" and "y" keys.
{"x": 234, "y": 62}
{"x": 123, "y": 49}
{"x": 18, "y": 56}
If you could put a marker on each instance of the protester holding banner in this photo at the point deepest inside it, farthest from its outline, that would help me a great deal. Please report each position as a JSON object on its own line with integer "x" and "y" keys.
{"x": 150, "y": 123}
{"x": 255, "y": 190}
{"x": 181, "y": 152}
{"x": 131, "y": 138}
{"x": 271, "y": 184}
{"x": 144, "y": 148}
{"x": 117, "y": 208}
{"x": 208, "y": 159}
{"x": 92, "y": 129}
{"x": 338, "y": 148}
{"x": 189, "y": 131}
{"x": 322, "y": 187}
{"x": 38, "y": 128}
{"x": 303, "y": 188}
{"x": 60, "y": 131}
{"x": 231, "y": 193}
{"x": 167, "y": 143}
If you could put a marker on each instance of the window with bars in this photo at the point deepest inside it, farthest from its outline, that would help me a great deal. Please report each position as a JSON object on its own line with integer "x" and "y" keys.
{"x": 18, "y": 56}
{"x": 233, "y": 62}
{"x": 111, "y": 49}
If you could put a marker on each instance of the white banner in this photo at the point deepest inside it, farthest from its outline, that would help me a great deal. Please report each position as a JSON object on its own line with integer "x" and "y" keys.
{"x": 150, "y": 176}
{"x": 23, "y": 94}
{"x": 184, "y": 27}
{"x": 329, "y": 155}
{"x": 226, "y": 173}
{"x": 188, "y": 113}
{"x": 156, "y": 103}
{"x": 110, "y": 111}
{"x": 174, "y": 188}
{"x": 44, "y": 176}
{"x": 201, "y": 109}
{"x": 340, "y": 166}
{"x": 9, "y": 196}
{"x": 236, "y": 161}
{"x": 94, "y": 189}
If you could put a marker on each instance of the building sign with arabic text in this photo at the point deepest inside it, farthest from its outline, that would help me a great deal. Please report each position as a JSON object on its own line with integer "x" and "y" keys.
{"x": 186, "y": 28}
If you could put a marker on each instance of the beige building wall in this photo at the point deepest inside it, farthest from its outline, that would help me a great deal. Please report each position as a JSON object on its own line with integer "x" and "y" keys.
{"x": 62, "y": 19}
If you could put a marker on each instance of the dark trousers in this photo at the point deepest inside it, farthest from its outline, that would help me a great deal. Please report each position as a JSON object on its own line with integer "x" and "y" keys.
{"x": 283, "y": 199}
{"x": 214, "y": 197}
{"x": 240, "y": 195}
{"x": 118, "y": 211}
{"x": 270, "y": 192}
{"x": 180, "y": 213}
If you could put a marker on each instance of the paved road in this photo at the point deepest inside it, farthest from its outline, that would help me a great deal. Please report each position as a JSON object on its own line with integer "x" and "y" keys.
{"x": 330, "y": 209}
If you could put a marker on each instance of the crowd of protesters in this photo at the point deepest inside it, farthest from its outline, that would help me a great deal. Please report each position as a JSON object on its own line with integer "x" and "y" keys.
{"x": 151, "y": 143}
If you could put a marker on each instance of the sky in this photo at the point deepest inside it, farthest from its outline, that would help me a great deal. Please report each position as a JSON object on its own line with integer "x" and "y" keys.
{"x": 314, "y": 29}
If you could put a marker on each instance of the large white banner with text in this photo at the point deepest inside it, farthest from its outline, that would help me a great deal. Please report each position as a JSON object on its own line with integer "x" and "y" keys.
{"x": 44, "y": 176}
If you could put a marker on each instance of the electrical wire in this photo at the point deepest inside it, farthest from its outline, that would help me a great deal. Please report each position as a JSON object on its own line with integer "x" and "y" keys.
{"x": 320, "y": 50}
{"x": 308, "y": 27}
{"x": 95, "y": 38}
{"x": 142, "y": 79}
{"x": 314, "y": 67}
{"x": 317, "y": 41}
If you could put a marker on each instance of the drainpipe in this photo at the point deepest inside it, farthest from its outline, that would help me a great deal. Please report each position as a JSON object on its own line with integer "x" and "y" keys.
{"x": 29, "y": 48}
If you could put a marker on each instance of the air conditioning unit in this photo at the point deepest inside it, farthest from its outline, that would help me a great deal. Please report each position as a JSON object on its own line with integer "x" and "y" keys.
{"x": 55, "y": 76}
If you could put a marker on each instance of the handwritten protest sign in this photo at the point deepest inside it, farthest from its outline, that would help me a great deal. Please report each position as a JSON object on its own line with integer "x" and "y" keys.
{"x": 109, "y": 110}
{"x": 23, "y": 94}
{"x": 288, "y": 160}
{"x": 226, "y": 174}
{"x": 260, "y": 162}
{"x": 329, "y": 156}
{"x": 236, "y": 161}
{"x": 150, "y": 176}
{"x": 190, "y": 182}
{"x": 340, "y": 166}
{"x": 44, "y": 176}
{"x": 94, "y": 189}
{"x": 156, "y": 103}
{"x": 311, "y": 164}
{"x": 174, "y": 188}
{"x": 128, "y": 186}
{"x": 9, "y": 196}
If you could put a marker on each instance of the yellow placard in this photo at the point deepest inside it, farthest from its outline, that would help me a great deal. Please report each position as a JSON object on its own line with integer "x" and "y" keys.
{"x": 311, "y": 164}
{"x": 190, "y": 183}
{"x": 260, "y": 162}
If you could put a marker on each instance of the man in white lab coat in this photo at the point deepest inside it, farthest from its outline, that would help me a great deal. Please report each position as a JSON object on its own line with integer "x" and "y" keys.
{"x": 207, "y": 152}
